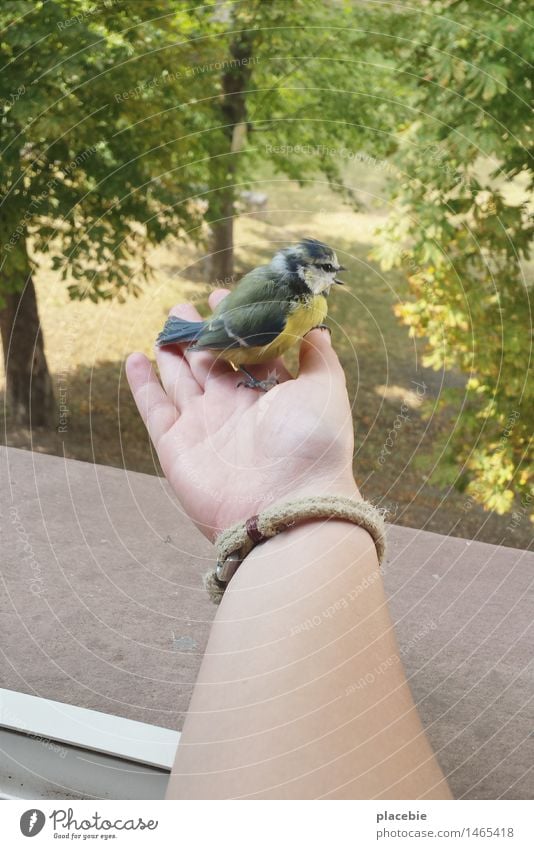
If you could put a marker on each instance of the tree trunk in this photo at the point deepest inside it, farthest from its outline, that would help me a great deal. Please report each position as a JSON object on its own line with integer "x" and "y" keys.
{"x": 235, "y": 81}
{"x": 29, "y": 389}
{"x": 222, "y": 240}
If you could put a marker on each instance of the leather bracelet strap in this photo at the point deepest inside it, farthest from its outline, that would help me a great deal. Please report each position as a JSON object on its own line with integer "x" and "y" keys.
{"x": 235, "y": 543}
{"x": 251, "y": 527}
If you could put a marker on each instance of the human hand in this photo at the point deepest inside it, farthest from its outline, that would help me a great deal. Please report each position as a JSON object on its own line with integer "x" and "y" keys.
{"x": 230, "y": 452}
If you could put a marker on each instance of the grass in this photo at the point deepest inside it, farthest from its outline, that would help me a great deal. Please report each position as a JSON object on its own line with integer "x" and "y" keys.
{"x": 86, "y": 346}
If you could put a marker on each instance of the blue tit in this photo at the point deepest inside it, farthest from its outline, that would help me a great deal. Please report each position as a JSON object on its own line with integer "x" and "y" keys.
{"x": 271, "y": 309}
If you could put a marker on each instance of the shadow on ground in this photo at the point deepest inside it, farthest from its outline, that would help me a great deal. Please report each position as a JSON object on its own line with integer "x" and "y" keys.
{"x": 102, "y": 424}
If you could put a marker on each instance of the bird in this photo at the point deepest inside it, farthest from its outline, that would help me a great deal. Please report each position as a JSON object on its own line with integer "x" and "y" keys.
{"x": 270, "y": 310}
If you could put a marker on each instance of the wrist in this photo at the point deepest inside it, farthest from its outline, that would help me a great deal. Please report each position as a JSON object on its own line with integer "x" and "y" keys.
{"x": 344, "y": 487}
{"x": 311, "y": 554}
{"x": 315, "y": 534}
{"x": 236, "y": 543}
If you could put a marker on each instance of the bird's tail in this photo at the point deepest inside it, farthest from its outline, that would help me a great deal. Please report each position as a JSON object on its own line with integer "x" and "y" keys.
{"x": 180, "y": 330}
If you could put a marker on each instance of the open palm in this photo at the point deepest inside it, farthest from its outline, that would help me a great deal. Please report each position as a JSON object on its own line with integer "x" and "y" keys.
{"x": 229, "y": 451}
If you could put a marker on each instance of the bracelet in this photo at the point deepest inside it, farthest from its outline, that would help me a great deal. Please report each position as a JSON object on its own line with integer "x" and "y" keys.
{"x": 233, "y": 544}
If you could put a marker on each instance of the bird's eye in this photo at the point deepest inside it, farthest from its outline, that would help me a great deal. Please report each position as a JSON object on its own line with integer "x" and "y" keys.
{"x": 327, "y": 267}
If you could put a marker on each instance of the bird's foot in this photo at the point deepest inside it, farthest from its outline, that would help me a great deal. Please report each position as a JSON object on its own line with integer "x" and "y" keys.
{"x": 320, "y": 327}
{"x": 254, "y": 383}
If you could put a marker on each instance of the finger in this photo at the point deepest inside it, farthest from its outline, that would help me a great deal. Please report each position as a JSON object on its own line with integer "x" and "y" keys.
{"x": 202, "y": 364}
{"x": 217, "y": 296}
{"x": 176, "y": 375}
{"x": 318, "y": 360}
{"x": 186, "y": 311}
{"x": 157, "y": 411}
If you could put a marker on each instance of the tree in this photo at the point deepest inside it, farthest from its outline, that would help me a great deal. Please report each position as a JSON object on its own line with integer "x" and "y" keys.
{"x": 117, "y": 116}
{"x": 461, "y": 229}
{"x": 87, "y": 169}
{"x": 297, "y": 85}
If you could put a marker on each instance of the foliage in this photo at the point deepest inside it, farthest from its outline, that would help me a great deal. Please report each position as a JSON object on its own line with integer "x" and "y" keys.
{"x": 316, "y": 94}
{"x": 113, "y": 120}
{"x": 120, "y": 123}
{"x": 87, "y": 169}
{"x": 461, "y": 229}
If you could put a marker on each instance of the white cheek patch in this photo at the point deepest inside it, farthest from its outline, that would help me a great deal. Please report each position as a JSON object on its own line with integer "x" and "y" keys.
{"x": 318, "y": 280}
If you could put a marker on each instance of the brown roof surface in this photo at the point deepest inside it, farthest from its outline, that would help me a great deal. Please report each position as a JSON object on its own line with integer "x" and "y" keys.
{"x": 103, "y": 606}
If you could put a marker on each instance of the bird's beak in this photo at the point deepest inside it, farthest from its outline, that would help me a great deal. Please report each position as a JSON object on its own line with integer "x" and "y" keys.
{"x": 340, "y": 282}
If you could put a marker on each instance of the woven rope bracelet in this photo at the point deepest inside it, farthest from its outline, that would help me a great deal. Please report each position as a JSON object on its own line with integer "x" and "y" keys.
{"x": 233, "y": 544}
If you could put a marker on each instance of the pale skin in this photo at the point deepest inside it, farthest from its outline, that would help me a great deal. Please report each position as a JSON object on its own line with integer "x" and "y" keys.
{"x": 301, "y": 693}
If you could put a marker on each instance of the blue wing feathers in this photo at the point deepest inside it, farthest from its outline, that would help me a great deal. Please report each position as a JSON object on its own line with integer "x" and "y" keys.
{"x": 180, "y": 330}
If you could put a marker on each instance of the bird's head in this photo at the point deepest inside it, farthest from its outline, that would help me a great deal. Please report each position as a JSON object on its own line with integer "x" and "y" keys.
{"x": 313, "y": 262}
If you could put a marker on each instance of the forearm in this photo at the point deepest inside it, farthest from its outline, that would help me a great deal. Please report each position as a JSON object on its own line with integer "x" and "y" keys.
{"x": 282, "y": 707}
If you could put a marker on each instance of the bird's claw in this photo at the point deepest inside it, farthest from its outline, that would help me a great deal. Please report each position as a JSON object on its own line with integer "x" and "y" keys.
{"x": 260, "y": 385}
{"x": 320, "y": 327}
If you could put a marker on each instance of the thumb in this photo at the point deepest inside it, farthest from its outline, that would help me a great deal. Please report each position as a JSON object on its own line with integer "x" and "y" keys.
{"x": 318, "y": 359}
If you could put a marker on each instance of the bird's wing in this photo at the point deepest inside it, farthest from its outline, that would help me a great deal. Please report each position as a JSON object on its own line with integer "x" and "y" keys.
{"x": 244, "y": 326}
{"x": 253, "y": 314}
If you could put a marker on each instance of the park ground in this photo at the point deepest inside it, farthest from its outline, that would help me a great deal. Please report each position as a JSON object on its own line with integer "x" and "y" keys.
{"x": 400, "y": 431}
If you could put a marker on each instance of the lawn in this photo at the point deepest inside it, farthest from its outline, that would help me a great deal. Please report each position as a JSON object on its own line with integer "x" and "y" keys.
{"x": 396, "y": 435}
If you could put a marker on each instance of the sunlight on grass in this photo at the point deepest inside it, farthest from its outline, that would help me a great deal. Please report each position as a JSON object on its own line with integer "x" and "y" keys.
{"x": 400, "y": 395}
